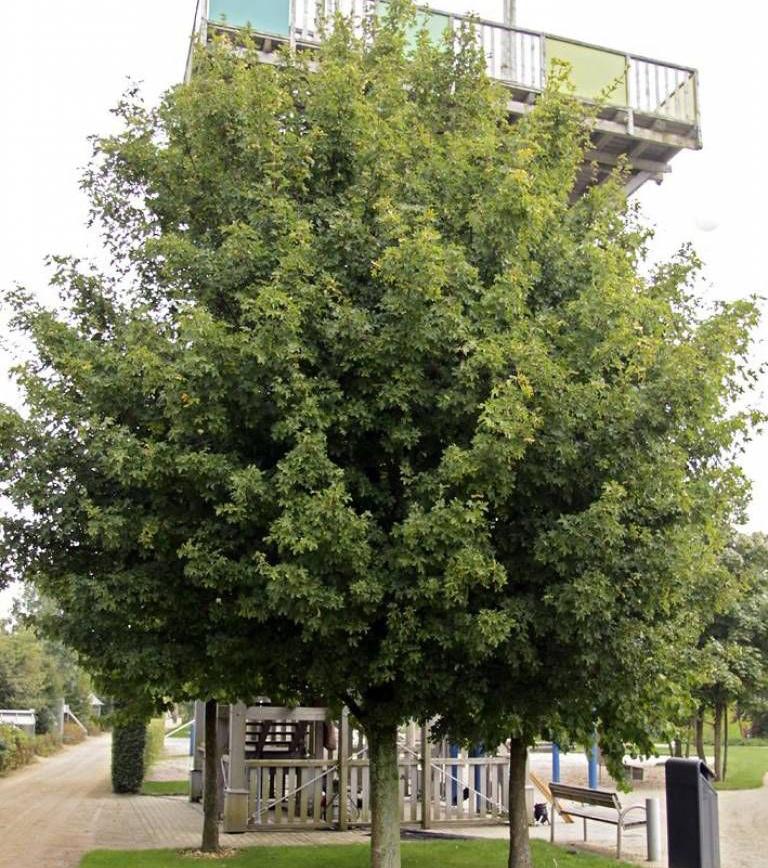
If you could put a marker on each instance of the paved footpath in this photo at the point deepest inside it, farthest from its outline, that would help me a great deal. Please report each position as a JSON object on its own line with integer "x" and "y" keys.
{"x": 60, "y": 807}
{"x": 49, "y": 810}
{"x": 57, "y": 809}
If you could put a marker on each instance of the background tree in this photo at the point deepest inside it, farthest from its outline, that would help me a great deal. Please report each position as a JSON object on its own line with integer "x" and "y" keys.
{"x": 731, "y": 663}
{"x": 40, "y": 674}
{"x": 366, "y": 408}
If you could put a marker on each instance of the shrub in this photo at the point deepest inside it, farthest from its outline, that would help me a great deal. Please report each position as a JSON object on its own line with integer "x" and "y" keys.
{"x": 47, "y": 744}
{"x": 73, "y": 734}
{"x": 155, "y": 744}
{"x": 128, "y": 743}
{"x": 16, "y": 748}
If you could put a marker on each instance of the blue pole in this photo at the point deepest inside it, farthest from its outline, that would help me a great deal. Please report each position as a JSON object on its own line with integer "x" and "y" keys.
{"x": 555, "y": 763}
{"x": 453, "y": 752}
{"x": 593, "y": 764}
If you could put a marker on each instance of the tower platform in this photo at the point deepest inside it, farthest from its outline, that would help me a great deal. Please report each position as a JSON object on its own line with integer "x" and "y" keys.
{"x": 649, "y": 108}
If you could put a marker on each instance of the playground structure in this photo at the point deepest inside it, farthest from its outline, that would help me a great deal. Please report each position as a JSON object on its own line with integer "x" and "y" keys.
{"x": 648, "y": 112}
{"x": 286, "y": 768}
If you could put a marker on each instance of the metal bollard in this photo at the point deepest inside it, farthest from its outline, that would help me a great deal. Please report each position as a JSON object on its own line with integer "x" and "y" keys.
{"x": 653, "y": 829}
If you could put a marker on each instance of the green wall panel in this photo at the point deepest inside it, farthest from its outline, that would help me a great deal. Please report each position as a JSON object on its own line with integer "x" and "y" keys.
{"x": 592, "y": 70}
{"x": 264, "y": 16}
{"x": 433, "y": 22}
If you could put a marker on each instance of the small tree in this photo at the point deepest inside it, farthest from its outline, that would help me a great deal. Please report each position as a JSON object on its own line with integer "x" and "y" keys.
{"x": 732, "y": 656}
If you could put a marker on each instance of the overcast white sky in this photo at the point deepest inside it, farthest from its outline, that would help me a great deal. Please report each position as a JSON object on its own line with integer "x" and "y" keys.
{"x": 63, "y": 65}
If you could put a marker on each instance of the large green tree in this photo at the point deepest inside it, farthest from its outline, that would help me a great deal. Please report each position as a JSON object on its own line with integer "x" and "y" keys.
{"x": 366, "y": 406}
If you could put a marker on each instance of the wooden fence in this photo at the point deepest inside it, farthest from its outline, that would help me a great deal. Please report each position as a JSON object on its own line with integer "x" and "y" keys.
{"x": 306, "y": 793}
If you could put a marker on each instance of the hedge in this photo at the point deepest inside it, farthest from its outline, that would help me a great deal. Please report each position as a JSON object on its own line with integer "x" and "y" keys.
{"x": 155, "y": 745}
{"x": 128, "y": 743}
{"x": 18, "y": 749}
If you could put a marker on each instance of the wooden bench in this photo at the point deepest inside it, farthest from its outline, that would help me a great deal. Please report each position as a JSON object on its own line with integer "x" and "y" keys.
{"x": 603, "y": 806}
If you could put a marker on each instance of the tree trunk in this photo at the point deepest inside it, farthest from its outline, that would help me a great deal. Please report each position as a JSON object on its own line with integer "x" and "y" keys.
{"x": 700, "y": 735}
{"x": 211, "y": 790}
{"x": 519, "y": 844}
{"x": 725, "y": 741}
{"x": 385, "y": 797}
{"x": 677, "y": 747}
{"x": 718, "y": 741}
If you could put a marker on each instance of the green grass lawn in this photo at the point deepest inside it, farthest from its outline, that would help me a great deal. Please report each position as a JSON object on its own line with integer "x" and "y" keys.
{"x": 427, "y": 854}
{"x": 746, "y": 767}
{"x": 165, "y": 788}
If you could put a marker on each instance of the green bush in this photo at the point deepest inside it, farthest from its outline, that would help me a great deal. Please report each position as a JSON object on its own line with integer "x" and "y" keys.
{"x": 155, "y": 745}
{"x": 128, "y": 743}
{"x": 16, "y": 748}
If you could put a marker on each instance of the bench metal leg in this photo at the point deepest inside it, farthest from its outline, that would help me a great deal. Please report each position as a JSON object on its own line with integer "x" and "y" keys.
{"x": 618, "y": 840}
{"x": 585, "y": 828}
{"x": 552, "y": 823}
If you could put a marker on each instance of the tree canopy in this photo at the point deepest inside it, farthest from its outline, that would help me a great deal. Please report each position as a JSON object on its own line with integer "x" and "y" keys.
{"x": 39, "y": 673}
{"x": 367, "y": 408}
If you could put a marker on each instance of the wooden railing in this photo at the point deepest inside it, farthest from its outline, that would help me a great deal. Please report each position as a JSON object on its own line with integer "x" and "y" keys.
{"x": 307, "y": 793}
{"x": 291, "y": 792}
{"x": 517, "y": 57}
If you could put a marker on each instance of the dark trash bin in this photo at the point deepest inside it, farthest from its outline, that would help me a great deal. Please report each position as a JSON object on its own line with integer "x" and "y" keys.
{"x": 693, "y": 835}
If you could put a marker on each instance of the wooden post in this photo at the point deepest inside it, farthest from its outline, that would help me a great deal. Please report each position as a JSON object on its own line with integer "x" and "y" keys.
{"x": 343, "y": 771}
{"x": 236, "y": 793}
{"x": 426, "y": 778}
{"x": 196, "y": 773}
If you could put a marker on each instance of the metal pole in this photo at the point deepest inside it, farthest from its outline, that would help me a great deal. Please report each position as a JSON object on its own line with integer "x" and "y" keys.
{"x": 510, "y": 12}
{"x": 653, "y": 829}
{"x": 593, "y": 769}
{"x": 555, "y": 763}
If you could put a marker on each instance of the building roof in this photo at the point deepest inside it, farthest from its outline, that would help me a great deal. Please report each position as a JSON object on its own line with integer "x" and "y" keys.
{"x": 18, "y": 716}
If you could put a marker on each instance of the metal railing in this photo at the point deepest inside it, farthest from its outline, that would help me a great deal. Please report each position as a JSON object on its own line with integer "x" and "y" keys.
{"x": 517, "y": 57}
